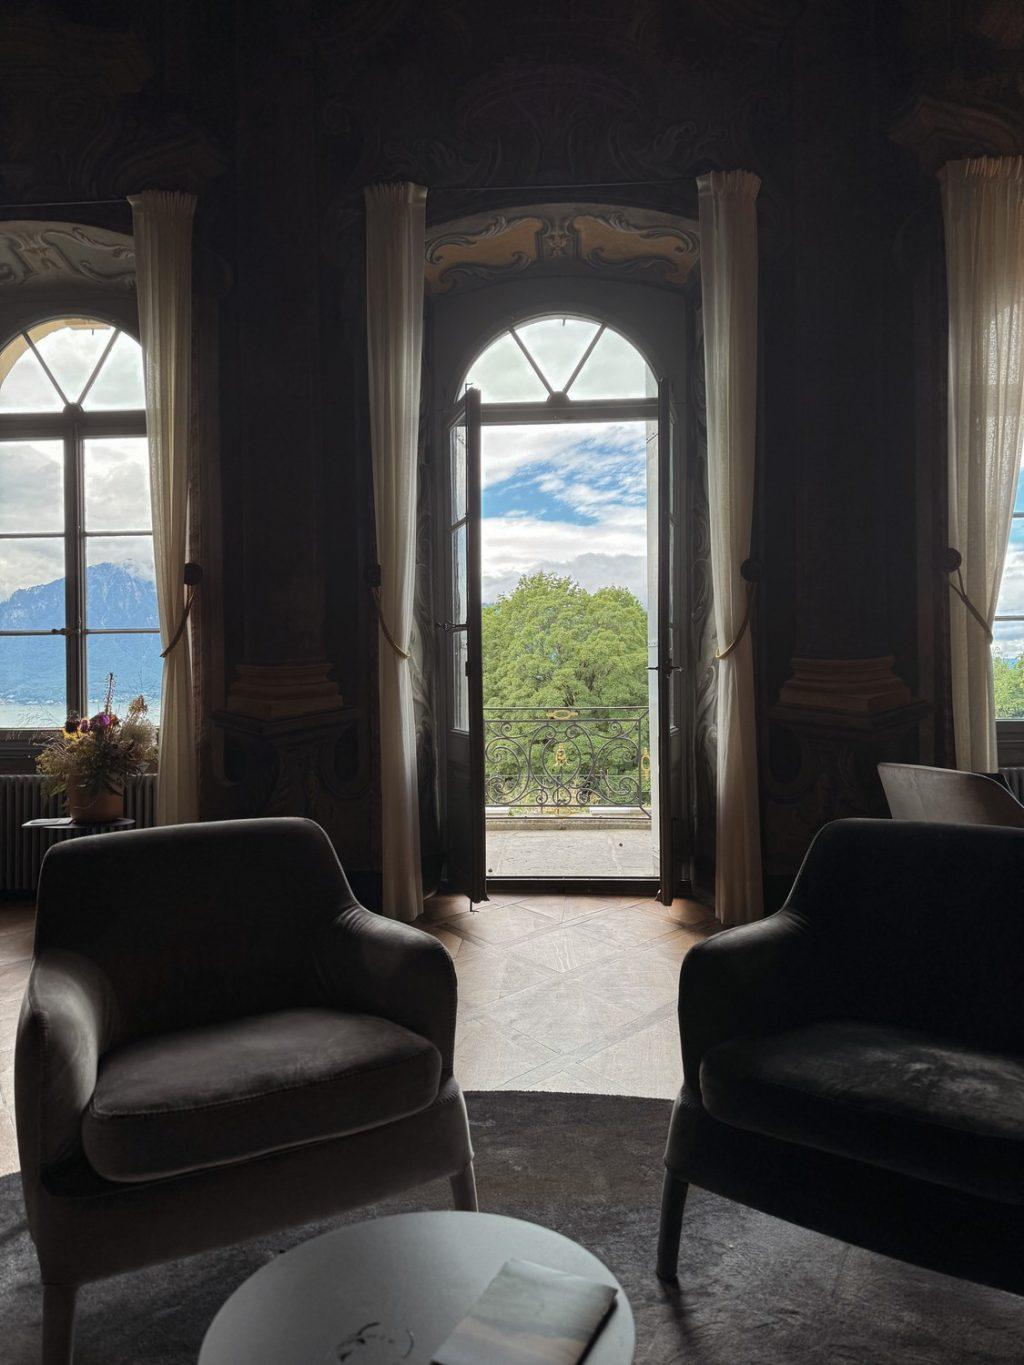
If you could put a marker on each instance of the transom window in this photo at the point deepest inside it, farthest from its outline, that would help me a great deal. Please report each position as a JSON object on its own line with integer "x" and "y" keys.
{"x": 561, "y": 361}
{"x": 77, "y": 580}
{"x": 1008, "y": 628}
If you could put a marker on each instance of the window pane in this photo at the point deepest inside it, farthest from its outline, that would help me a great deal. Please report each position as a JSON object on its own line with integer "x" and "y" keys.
{"x": 31, "y": 584}
{"x": 616, "y": 369}
{"x": 557, "y": 345}
{"x": 504, "y": 375}
{"x": 24, "y": 386}
{"x": 136, "y": 665}
{"x": 459, "y": 575}
{"x": 1011, "y": 593}
{"x": 117, "y": 484}
{"x": 460, "y": 683}
{"x": 1018, "y": 504}
{"x": 31, "y": 486}
{"x": 458, "y": 472}
{"x": 33, "y": 682}
{"x": 119, "y": 384}
{"x": 1008, "y": 669}
{"x": 120, "y": 583}
{"x": 71, "y": 349}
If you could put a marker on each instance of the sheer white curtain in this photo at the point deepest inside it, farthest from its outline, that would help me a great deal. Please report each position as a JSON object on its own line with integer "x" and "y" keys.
{"x": 728, "y": 248}
{"x": 163, "y": 272}
{"x": 983, "y": 210}
{"x": 395, "y": 228}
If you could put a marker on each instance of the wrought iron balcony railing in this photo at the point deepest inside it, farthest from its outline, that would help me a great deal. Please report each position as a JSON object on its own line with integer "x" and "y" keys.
{"x": 553, "y": 759}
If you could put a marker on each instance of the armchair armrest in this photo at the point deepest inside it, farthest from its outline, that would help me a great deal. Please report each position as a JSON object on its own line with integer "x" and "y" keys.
{"x": 380, "y": 966}
{"x": 758, "y": 978}
{"x": 65, "y": 1022}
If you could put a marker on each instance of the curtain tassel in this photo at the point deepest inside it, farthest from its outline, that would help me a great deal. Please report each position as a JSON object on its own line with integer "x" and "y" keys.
{"x": 750, "y": 572}
{"x": 193, "y": 577}
{"x": 951, "y": 562}
{"x": 374, "y": 576}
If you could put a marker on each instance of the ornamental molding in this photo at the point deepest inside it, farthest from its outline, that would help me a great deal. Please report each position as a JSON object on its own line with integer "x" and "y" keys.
{"x": 937, "y": 130}
{"x": 33, "y": 255}
{"x": 561, "y": 239}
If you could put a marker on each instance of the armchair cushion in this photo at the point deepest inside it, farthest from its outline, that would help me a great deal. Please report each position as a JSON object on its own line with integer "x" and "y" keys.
{"x": 900, "y": 1098}
{"x": 230, "y": 1091}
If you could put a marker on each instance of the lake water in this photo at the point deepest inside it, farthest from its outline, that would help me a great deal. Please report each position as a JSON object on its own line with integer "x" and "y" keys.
{"x": 47, "y": 715}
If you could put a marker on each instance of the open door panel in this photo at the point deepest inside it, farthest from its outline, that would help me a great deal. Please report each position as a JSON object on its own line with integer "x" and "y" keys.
{"x": 465, "y": 828}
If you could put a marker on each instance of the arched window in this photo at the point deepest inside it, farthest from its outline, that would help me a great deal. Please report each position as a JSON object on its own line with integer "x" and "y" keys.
{"x": 561, "y": 360}
{"x": 1008, "y": 628}
{"x": 77, "y": 580}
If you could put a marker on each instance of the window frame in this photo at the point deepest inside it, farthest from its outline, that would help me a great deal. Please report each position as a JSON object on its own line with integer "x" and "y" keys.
{"x": 1010, "y": 729}
{"x": 72, "y": 426}
{"x": 559, "y": 404}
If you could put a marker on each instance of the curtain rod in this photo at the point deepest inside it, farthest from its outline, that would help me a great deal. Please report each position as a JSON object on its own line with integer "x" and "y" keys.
{"x": 64, "y": 204}
{"x": 435, "y": 189}
{"x": 594, "y": 185}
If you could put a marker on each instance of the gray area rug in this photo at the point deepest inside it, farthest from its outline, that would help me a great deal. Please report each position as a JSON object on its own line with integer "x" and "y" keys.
{"x": 752, "y": 1289}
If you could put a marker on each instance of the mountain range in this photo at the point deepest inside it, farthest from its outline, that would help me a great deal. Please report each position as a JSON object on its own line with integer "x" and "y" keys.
{"x": 116, "y": 598}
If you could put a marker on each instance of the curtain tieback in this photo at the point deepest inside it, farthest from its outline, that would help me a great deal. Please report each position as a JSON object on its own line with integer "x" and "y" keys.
{"x": 750, "y": 571}
{"x": 373, "y": 574}
{"x": 951, "y": 564}
{"x": 193, "y": 577}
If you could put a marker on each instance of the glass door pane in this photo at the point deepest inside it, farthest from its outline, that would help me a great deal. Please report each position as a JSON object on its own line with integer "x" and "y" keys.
{"x": 464, "y": 778}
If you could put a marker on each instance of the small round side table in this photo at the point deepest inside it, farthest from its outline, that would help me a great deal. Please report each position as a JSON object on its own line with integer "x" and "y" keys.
{"x": 391, "y": 1290}
{"x": 65, "y": 825}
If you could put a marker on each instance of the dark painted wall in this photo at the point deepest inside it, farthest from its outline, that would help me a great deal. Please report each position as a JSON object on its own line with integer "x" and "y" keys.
{"x": 278, "y": 112}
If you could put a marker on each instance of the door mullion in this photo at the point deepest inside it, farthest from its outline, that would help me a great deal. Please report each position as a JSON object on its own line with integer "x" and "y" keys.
{"x": 70, "y": 576}
{"x": 74, "y": 559}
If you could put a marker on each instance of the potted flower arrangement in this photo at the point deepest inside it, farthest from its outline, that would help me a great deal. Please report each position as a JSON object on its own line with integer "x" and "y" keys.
{"x": 94, "y": 756}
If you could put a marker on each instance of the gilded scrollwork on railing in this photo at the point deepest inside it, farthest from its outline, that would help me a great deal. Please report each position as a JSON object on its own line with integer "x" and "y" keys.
{"x": 565, "y": 759}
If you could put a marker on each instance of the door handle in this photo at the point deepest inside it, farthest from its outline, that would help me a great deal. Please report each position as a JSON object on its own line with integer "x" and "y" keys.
{"x": 449, "y": 626}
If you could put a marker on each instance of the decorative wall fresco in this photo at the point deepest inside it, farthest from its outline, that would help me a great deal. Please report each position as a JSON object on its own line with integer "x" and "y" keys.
{"x": 561, "y": 239}
{"x": 57, "y": 254}
{"x": 843, "y": 109}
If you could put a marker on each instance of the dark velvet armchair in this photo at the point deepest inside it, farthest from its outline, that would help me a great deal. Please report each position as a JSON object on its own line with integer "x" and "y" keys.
{"x": 217, "y": 1041}
{"x": 855, "y": 1062}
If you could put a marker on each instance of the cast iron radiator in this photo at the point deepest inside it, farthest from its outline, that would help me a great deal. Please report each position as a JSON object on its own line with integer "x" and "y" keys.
{"x": 1015, "y": 781}
{"x": 21, "y": 799}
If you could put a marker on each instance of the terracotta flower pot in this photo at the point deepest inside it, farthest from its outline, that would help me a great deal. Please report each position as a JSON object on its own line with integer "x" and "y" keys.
{"x": 94, "y": 810}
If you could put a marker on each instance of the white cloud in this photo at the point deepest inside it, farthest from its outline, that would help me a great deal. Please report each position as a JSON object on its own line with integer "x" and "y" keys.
{"x": 31, "y": 486}
{"x": 24, "y": 563}
{"x": 592, "y": 471}
{"x": 611, "y": 551}
{"x": 1011, "y": 596}
{"x": 576, "y": 447}
{"x": 117, "y": 484}
{"x": 590, "y": 571}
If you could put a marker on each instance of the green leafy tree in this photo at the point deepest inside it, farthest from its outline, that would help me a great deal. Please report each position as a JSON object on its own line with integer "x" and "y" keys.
{"x": 1008, "y": 678}
{"x": 552, "y": 643}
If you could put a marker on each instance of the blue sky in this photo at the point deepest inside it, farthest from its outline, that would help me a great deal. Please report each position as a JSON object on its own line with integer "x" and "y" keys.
{"x": 566, "y": 498}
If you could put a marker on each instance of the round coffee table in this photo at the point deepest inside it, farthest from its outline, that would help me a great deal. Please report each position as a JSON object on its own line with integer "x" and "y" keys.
{"x": 390, "y": 1291}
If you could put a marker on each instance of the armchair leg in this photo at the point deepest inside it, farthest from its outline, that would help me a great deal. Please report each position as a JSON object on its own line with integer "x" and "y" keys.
{"x": 464, "y": 1189}
{"x": 673, "y": 1198}
{"x": 58, "y": 1323}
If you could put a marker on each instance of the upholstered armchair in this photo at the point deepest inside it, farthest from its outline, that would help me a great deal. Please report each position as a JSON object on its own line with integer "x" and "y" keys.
{"x": 948, "y": 796}
{"x": 855, "y": 1063}
{"x": 217, "y": 1041}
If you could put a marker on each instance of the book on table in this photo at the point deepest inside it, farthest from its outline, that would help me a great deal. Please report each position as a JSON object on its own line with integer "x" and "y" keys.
{"x": 530, "y": 1315}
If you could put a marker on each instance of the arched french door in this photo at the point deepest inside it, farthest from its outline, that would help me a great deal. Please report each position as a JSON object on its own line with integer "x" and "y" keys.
{"x": 628, "y": 360}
